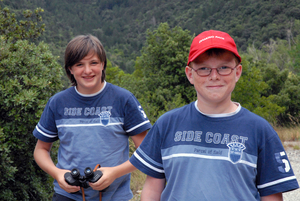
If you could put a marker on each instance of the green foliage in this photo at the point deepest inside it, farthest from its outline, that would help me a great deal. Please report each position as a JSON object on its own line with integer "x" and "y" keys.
{"x": 114, "y": 75}
{"x": 7, "y": 170}
{"x": 29, "y": 75}
{"x": 10, "y": 27}
{"x": 274, "y": 78}
{"x": 295, "y": 52}
{"x": 278, "y": 61}
{"x": 162, "y": 65}
{"x": 289, "y": 97}
{"x": 249, "y": 92}
{"x": 122, "y": 25}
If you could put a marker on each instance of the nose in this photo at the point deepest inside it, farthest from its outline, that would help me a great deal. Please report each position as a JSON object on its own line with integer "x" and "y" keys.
{"x": 87, "y": 69}
{"x": 214, "y": 74}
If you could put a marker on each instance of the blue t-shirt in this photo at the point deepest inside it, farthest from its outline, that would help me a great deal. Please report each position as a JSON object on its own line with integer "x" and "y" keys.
{"x": 93, "y": 129}
{"x": 231, "y": 157}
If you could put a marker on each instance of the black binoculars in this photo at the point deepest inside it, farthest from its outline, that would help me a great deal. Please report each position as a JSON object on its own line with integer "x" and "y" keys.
{"x": 74, "y": 178}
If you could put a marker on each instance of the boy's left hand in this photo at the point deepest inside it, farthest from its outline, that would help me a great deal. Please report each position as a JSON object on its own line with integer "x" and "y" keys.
{"x": 107, "y": 178}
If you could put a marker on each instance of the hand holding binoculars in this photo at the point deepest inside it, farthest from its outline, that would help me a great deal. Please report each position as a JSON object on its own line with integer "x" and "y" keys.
{"x": 74, "y": 178}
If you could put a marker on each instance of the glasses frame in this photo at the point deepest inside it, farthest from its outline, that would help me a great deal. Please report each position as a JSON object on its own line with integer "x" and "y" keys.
{"x": 211, "y": 69}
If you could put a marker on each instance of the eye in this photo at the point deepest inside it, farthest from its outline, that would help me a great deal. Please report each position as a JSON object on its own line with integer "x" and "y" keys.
{"x": 224, "y": 68}
{"x": 78, "y": 65}
{"x": 203, "y": 69}
{"x": 94, "y": 63}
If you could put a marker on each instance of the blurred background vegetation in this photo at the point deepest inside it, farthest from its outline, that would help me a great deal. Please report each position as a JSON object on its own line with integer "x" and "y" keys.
{"x": 147, "y": 44}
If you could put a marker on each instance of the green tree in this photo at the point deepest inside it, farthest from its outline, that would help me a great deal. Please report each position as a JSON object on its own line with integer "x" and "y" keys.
{"x": 29, "y": 75}
{"x": 250, "y": 90}
{"x": 162, "y": 66}
{"x": 30, "y": 28}
{"x": 295, "y": 52}
{"x": 278, "y": 62}
{"x": 289, "y": 97}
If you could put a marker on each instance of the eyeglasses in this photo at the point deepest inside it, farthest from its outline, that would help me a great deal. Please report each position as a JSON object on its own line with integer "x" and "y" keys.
{"x": 206, "y": 71}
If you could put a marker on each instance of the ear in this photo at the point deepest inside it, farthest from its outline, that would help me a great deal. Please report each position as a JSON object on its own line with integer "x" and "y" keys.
{"x": 70, "y": 69}
{"x": 189, "y": 74}
{"x": 238, "y": 72}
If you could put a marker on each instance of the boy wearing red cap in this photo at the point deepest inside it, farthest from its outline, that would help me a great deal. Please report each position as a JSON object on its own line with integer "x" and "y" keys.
{"x": 213, "y": 148}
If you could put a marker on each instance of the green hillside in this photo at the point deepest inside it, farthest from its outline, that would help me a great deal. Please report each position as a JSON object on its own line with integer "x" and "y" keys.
{"x": 121, "y": 24}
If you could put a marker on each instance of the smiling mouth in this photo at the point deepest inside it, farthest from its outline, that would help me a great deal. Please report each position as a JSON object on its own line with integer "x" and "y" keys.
{"x": 218, "y": 86}
{"x": 88, "y": 77}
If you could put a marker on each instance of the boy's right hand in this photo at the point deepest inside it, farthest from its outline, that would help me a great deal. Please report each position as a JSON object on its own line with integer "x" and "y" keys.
{"x": 43, "y": 159}
{"x": 59, "y": 177}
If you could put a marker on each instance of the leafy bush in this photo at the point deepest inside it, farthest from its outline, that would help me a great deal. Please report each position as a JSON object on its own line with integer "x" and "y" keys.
{"x": 29, "y": 75}
{"x": 250, "y": 91}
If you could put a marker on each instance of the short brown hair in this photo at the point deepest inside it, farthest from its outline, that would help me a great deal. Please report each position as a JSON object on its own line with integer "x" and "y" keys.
{"x": 78, "y": 48}
{"x": 217, "y": 52}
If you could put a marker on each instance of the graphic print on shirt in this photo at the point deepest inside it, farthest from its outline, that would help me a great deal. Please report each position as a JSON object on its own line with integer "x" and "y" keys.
{"x": 87, "y": 111}
{"x": 284, "y": 163}
{"x": 104, "y": 118}
{"x": 142, "y": 112}
{"x": 104, "y": 113}
{"x": 235, "y": 151}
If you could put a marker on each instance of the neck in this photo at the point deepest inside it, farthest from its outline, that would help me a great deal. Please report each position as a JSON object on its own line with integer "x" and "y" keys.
{"x": 216, "y": 108}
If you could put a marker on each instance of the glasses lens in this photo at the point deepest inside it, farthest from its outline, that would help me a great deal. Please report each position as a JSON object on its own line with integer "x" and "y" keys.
{"x": 203, "y": 71}
{"x": 224, "y": 70}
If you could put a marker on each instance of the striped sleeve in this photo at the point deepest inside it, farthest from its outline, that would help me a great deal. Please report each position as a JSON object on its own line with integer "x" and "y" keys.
{"x": 147, "y": 158}
{"x": 43, "y": 134}
{"x": 46, "y": 129}
{"x": 275, "y": 173}
{"x": 147, "y": 165}
{"x": 135, "y": 120}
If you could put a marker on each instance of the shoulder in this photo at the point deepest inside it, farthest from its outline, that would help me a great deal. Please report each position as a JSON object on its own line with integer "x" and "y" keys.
{"x": 250, "y": 116}
{"x": 257, "y": 124}
{"x": 113, "y": 87}
{"x": 62, "y": 95}
{"x": 123, "y": 96}
{"x": 119, "y": 91}
{"x": 177, "y": 113}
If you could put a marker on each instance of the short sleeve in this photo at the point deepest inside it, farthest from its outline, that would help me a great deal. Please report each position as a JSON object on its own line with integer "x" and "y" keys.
{"x": 147, "y": 158}
{"x": 46, "y": 129}
{"x": 275, "y": 173}
{"x": 136, "y": 120}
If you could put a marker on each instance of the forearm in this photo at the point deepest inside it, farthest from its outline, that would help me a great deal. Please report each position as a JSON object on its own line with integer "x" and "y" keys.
{"x": 43, "y": 159}
{"x": 152, "y": 189}
{"x": 274, "y": 197}
{"x": 124, "y": 168}
{"x": 112, "y": 173}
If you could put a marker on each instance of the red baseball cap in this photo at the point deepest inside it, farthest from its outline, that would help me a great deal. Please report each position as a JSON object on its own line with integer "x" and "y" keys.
{"x": 212, "y": 39}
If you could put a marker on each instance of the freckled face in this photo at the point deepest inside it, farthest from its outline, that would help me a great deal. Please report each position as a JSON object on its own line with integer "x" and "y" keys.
{"x": 87, "y": 73}
{"x": 214, "y": 88}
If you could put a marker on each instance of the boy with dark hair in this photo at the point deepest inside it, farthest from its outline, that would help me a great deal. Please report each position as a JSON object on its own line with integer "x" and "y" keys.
{"x": 213, "y": 148}
{"x": 93, "y": 121}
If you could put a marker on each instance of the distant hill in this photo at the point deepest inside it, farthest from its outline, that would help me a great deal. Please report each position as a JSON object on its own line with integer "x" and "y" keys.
{"x": 121, "y": 25}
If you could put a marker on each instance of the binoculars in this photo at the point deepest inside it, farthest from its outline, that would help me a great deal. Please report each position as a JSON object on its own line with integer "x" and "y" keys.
{"x": 74, "y": 178}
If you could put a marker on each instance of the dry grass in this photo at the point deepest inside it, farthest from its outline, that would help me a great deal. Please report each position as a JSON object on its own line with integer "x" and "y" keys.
{"x": 136, "y": 185}
{"x": 288, "y": 133}
{"x": 290, "y": 137}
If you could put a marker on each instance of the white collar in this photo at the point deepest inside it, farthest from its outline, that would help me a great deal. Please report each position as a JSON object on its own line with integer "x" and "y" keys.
{"x": 222, "y": 114}
{"x": 91, "y": 95}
